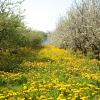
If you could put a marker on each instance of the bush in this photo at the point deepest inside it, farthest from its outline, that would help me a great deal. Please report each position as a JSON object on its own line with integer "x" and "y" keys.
{"x": 21, "y": 80}
{"x": 91, "y": 55}
{"x": 34, "y": 38}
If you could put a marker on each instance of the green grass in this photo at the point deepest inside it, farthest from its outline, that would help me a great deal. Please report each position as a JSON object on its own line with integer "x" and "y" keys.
{"x": 48, "y": 73}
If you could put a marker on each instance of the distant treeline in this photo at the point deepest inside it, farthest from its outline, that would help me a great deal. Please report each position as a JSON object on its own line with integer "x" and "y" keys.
{"x": 13, "y": 32}
{"x": 79, "y": 29}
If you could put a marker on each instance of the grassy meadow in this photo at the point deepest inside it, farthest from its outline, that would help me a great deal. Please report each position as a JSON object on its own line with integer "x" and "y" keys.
{"x": 48, "y": 73}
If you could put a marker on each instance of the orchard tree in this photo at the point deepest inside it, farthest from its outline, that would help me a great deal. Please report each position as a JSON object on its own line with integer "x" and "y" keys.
{"x": 10, "y": 22}
{"x": 79, "y": 30}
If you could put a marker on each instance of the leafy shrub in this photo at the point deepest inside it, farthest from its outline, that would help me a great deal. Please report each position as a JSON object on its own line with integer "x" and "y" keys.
{"x": 10, "y": 59}
{"x": 3, "y": 82}
{"x": 91, "y": 55}
{"x": 21, "y": 80}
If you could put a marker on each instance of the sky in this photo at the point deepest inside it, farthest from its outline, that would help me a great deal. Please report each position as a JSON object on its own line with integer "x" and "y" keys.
{"x": 43, "y": 15}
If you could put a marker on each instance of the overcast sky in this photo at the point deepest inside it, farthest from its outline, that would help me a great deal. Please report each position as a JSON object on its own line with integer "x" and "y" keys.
{"x": 43, "y": 14}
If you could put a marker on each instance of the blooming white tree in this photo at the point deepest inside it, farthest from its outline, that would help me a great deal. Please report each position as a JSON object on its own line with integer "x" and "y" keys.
{"x": 79, "y": 30}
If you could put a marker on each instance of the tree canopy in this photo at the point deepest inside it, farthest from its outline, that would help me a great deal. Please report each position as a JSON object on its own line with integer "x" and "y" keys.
{"x": 79, "y": 30}
{"x": 13, "y": 31}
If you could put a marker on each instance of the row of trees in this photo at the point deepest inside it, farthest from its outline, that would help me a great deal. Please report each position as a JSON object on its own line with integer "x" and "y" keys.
{"x": 13, "y": 32}
{"x": 79, "y": 30}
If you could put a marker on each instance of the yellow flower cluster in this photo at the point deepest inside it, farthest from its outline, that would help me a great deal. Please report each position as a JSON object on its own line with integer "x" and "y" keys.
{"x": 53, "y": 74}
{"x": 95, "y": 76}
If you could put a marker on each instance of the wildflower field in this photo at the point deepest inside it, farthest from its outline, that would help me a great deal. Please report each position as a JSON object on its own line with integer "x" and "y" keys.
{"x": 48, "y": 73}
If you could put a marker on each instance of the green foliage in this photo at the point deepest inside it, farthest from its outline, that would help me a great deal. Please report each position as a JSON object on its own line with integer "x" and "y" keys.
{"x": 10, "y": 59}
{"x": 90, "y": 54}
{"x": 9, "y": 22}
{"x": 3, "y": 82}
{"x": 9, "y": 36}
{"x": 13, "y": 32}
{"x": 34, "y": 38}
{"x": 21, "y": 80}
